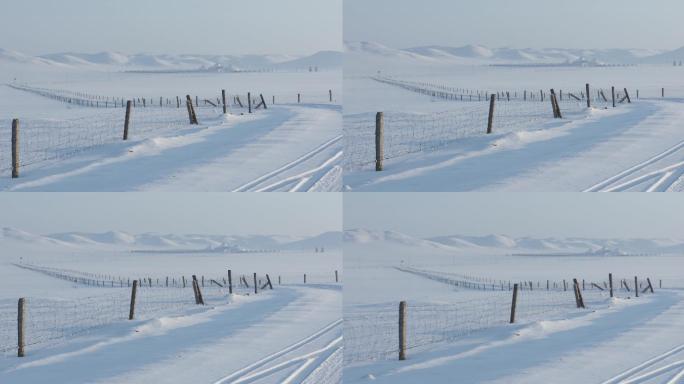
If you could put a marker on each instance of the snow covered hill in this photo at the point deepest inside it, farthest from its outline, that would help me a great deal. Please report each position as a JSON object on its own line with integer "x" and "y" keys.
{"x": 479, "y": 54}
{"x": 123, "y": 61}
{"x": 520, "y": 245}
{"x": 217, "y": 243}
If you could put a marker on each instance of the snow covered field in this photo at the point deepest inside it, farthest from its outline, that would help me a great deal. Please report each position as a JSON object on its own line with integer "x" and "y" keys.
{"x": 434, "y": 143}
{"x": 77, "y": 294}
{"x": 459, "y": 302}
{"x": 294, "y": 145}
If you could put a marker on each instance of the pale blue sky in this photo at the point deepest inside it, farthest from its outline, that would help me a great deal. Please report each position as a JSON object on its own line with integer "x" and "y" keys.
{"x": 172, "y": 26}
{"x": 518, "y": 24}
{"x": 620, "y": 215}
{"x": 206, "y": 213}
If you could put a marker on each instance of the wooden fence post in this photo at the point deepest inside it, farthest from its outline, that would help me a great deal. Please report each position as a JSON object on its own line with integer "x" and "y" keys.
{"x": 612, "y": 92}
{"x": 299, "y": 98}
{"x": 610, "y": 283}
{"x": 223, "y": 97}
{"x": 15, "y": 148}
{"x": 21, "y": 313}
{"x": 255, "y": 283}
{"x": 648, "y": 279}
{"x": 330, "y": 94}
{"x": 305, "y": 278}
{"x": 636, "y": 286}
{"x": 263, "y": 102}
{"x": 191, "y": 113}
{"x": 127, "y": 121}
{"x": 627, "y": 96}
{"x": 402, "y": 330}
{"x": 336, "y": 279}
{"x": 379, "y": 141}
{"x": 578, "y": 294}
{"x": 249, "y": 102}
{"x": 662, "y": 92}
{"x": 131, "y": 311}
{"x": 588, "y": 96}
{"x": 490, "y": 120}
{"x": 230, "y": 282}
{"x": 514, "y": 302}
{"x": 268, "y": 282}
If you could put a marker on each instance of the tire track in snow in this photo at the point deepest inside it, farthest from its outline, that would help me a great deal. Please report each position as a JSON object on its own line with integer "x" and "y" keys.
{"x": 660, "y": 179}
{"x": 301, "y": 179}
{"x": 645, "y": 371}
{"x": 306, "y": 363}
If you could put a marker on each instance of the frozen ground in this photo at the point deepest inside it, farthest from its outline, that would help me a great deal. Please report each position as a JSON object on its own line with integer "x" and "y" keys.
{"x": 78, "y": 332}
{"x": 635, "y": 147}
{"x": 290, "y": 146}
{"x": 458, "y": 308}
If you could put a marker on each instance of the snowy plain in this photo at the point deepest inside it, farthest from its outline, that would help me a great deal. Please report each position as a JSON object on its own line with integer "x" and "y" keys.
{"x": 458, "y": 308}
{"x": 77, "y": 294}
{"x": 294, "y": 145}
{"x": 638, "y": 144}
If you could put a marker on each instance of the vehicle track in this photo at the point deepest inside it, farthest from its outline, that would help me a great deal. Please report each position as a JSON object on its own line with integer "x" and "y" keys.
{"x": 651, "y": 372}
{"x": 301, "y": 363}
{"x": 270, "y": 181}
{"x": 659, "y": 179}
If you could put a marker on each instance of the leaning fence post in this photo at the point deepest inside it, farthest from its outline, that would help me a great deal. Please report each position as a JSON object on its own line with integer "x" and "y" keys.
{"x": 490, "y": 120}
{"x": 15, "y": 148}
{"x": 131, "y": 312}
{"x": 627, "y": 96}
{"x": 128, "y": 119}
{"x": 255, "y": 283}
{"x": 636, "y": 286}
{"x": 21, "y": 312}
{"x": 402, "y": 330}
{"x": 588, "y": 96}
{"x": 648, "y": 280}
{"x": 263, "y": 102}
{"x": 610, "y": 283}
{"x": 223, "y": 96}
{"x": 230, "y": 282}
{"x": 379, "y": 141}
{"x": 514, "y": 302}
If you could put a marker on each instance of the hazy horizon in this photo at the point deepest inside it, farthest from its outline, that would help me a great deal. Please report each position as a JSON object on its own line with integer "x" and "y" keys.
{"x": 560, "y": 215}
{"x": 176, "y": 213}
{"x": 295, "y": 27}
{"x": 580, "y": 24}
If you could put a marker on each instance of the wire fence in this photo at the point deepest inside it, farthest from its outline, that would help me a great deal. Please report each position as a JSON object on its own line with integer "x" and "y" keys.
{"x": 479, "y": 303}
{"x": 51, "y": 321}
{"x": 406, "y": 132}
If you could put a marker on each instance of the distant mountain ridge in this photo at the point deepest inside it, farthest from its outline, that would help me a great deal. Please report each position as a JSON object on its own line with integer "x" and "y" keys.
{"x": 479, "y": 54}
{"x": 327, "y": 240}
{"x": 323, "y": 60}
{"x": 520, "y": 245}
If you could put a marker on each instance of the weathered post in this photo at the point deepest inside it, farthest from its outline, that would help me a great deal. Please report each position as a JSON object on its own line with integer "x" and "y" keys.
{"x": 255, "y": 283}
{"x": 636, "y": 286}
{"x": 490, "y": 120}
{"x": 128, "y": 119}
{"x": 299, "y": 98}
{"x": 263, "y": 102}
{"x": 379, "y": 141}
{"x": 588, "y": 96}
{"x": 330, "y": 94}
{"x": 648, "y": 280}
{"x": 627, "y": 96}
{"x": 305, "y": 278}
{"x": 249, "y": 102}
{"x": 612, "y": 92}
{"x": 402, "y": 330}
{"x": 131, "y": 312}
{"x": 21, "y": 312}
{"x": 223, "y": 97}
{"x": 15, "y": 148}
{"x": 610, "y": 283}
{"x": 230, "y": 282}
{"x": 336, "y": 279}
{"x": 268, "y": 282}
{"x": 514, "y": 302}
{"x": 662, "y": 92}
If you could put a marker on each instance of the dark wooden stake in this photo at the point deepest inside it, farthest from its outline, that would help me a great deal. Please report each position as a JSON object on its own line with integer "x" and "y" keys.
{"x": 402, "y": 330}
{"x": 514, "y": 302}
{"x": 15, "y": 148}
{"x": 490, "y": 120}
{"x": 21, "y": 313}
{"x": 379, "y": 141}
{"x": 131, "y": 311}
